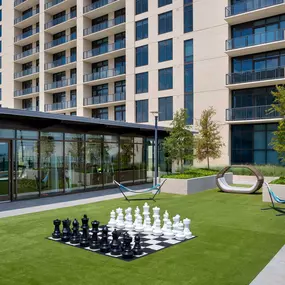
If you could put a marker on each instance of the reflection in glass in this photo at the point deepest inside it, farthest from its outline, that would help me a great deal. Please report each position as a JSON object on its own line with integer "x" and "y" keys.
{"x": 110, "y": 163}
{"x": 27, "y": 168}
{"x": 4, "y": 171}
{"x": 139, "y": 163}
{"x": 126, "y": 161}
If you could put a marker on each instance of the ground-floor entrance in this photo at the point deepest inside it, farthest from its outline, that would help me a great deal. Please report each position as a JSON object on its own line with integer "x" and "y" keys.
{"x": 5, "y": 171}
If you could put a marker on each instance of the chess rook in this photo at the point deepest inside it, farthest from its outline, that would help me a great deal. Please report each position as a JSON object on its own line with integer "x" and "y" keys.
{"x": 56, "y": 233}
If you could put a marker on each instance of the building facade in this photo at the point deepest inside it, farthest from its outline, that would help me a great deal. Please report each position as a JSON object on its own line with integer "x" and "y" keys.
{"x": 123, "y": 59}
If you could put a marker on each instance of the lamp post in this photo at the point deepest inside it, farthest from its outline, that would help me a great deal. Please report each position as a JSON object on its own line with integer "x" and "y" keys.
{"x": 155, "y": 113}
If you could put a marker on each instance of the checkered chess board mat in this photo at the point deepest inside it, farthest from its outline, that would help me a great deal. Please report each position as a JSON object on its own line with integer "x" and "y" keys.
{"x": 149, "y": 244}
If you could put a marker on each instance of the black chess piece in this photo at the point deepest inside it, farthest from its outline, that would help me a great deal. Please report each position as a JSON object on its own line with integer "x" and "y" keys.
{"x": 137, "y": 247}
{"x": 95, "y": 241}
{"x": 75, "y": 237}
{"x": 68, "y": 226}
{"x": 56, "y": 232}
{"x": 65, "y": 231}
{"x": 84, "y": 240}
{"x": 127, "y": 252}
{"x": 116, "y": 244}
{"x": 123, "y": 244}
{"x": 104, "y": 243}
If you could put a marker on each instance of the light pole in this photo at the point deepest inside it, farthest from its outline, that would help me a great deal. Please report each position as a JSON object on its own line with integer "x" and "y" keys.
{"x": 155, "y": 113}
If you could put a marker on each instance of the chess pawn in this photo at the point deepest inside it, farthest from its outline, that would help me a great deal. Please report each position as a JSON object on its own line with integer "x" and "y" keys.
{"x": 68, "y": 226}
{"x": 115, "y": 244}
{"x": 164, "y": 225}
{"x": 187, "y": 231}
{"x": 65, "y": 231}
{"x": 56, "y": 232}
{"x": 137, "y": 247}
{"x": 112, "y": 222}
{"x": 104, "y": 243}
{"x": 148, "y": 227}
{"x": 137, "y": 212}
{"x": 176, "y": 220}
{"x": 120, "y": 223}
{"x": 139, "y": 226}
{"x": 127, "y": 252}
{"x": 180, "y": 232}
{"x": 95, "y": 242}
{"x": 168, "y": 232}
{"x": 75, "y": 237}
{"x": 129, "y": 223}
{"x": 157, "y": 230}
{"x": 118, "y": 211}
{"x": 145, "y": 209}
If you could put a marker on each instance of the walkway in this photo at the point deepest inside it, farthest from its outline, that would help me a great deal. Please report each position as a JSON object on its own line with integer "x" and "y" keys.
{"x": 50, "y": 203}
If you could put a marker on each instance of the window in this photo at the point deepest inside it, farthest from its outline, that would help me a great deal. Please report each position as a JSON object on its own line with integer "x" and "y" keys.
{"x": 72, "y": 113}
{"x": 120, "y": 89}
{"x": 101, "y": 113}
{"x": 142, "y": 83}
{"x": 165, "y": 50}
{"x": 100, "y": 90}
{"x": 120, "y": 113}
{"x": 188, "y": 105}
{"x": 188, "y": 51}
{"x": 142, "y": 29}
{"x": 141, "y": 6}
{"x": 164, "y": 2}
{"x": 73, "y": 95}
{"x": 165, "y": 108}
{"x": 0, "y": 94}
{"x": 188, "y": 16}
{"x": 142, "y": 111}
{"x": 142, "y": 55}
{"x": 165, "y": 23}
{"x": 165, "y": 78}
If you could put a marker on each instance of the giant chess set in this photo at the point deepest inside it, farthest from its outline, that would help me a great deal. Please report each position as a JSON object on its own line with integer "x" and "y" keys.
{"x": 122, "y": 237}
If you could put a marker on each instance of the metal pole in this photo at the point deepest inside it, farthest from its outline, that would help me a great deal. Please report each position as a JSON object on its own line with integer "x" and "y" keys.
{"x": 155, "y": 152}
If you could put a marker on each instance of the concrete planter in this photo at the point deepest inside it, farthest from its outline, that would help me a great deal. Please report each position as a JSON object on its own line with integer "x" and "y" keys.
{"x": 193, "y": 185}
{"x": 279, "y": 190}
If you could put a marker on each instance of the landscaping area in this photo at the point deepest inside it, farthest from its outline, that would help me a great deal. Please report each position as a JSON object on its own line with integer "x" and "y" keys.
{"x": 235, "y": 241}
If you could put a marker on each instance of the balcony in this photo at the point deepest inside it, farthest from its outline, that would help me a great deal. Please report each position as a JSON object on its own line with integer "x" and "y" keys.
{"x": 104, "y": 76}
{"x": 28, "y": 74}
{"x": 105, "y": 52}
{"x": 105, "y": 99}
{"x": 22, "y": 5}
{"x": 26, "y": 56}
{"x": 32, "y": 108}
{"x": 61, "y": 64}
{"x": 26, "y": 92}
{"x": 61, "y": 44}
{"x": 256, "y": 43}
{"x": 63, "y": 84}
{"x": 103, "y": 7}
{"x": 105, "y": 29}
{"x": 55, "y": 6}
{"x": 251, "y": 113}
{"x": 250, "y": 10}
{"x": 62, "y": 23}
{"x": 60, "y": 106}
{"x": 27, "y": 19}
{"x": 27, "y": 37}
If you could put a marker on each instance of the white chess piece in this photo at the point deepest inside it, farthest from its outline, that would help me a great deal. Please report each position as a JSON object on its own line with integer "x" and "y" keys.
{"x": 120, "y": 224}
{"x": 118, "y": 211}
{"x": 157, "y": 230}
{"x": 156, "y": 213}
{"x": 112, "y": 223}
{"x": 164, "y": 228}
{"x": 148, "y": 227}
{"x": 180, "y": 232}
{"x": 129, "y": 222}
{"x": 176, "y": 221}
{"x": 145, "y": 208}
{"x": 187, "y": 231}
{"x": 128, "y": 211}
{"x": 165, "y": 219}
{"x": 139, "y": 226}
{"x": 137, "y": 212}
{"x": 168, "y": 232}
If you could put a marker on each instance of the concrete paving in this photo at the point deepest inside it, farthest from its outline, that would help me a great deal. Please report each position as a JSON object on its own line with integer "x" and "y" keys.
{"x": 274, "y": 272}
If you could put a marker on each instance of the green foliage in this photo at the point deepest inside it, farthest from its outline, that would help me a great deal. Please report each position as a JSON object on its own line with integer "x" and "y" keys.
{"x": 191, "y": 173}
{"x": 278, "y": 141}
{"x": 178, "y": 146}
{"x": 208, "y": 142}
{"x": 280, "y": 181}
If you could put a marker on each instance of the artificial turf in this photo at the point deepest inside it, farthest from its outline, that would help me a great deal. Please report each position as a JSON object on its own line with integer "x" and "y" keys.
{"x": 235, "y": 241}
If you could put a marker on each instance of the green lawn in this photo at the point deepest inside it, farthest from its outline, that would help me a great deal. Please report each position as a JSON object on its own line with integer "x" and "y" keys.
{"x": 235, "y": 241}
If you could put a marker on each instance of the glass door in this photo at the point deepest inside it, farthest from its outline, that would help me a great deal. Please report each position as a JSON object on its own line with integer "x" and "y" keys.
{"x": 5, "y": 171}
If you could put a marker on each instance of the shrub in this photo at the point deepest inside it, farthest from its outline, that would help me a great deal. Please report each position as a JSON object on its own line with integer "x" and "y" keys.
{"x": 281, "y": 181}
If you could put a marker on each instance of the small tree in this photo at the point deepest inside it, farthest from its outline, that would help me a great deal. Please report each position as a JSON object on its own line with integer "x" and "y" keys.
{"x": 208, "y": 142}
{"x": 178, "y": 146}
{"x": 278, "y": 141}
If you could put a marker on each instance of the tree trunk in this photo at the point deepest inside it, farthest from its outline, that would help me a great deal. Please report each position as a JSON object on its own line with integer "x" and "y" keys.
{"x": 208, "y": 162}
{"x": 181, "y": 164}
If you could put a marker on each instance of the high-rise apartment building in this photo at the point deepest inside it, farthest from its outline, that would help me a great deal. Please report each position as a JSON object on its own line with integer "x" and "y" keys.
{"x": 123, "y": 59}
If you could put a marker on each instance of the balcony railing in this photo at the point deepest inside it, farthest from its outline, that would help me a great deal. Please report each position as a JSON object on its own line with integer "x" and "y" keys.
{"x": 250, "y": 5}
{"x": 255, "y": 75}
{"x": 60, "y": 84}
{"x": 104, "y": 99}
{"x": 256, "y": 39}
{"x": 60, "y": 106}
{"x": 26, "y": 91}
{"x": 104, "y": 74}
{"x": 18, "y": 2}
{"x": 26, "y": 53}
{"x": 60, "y": 62}
{"x": 251, "y": 113}
{"x": 52, "y": 3}
{"x": 97, "y": 5}
{"x": 26, "y": 72}
{"x": 27, "y": 16}
{"x": 32, "y": 108}
{"x": 60, "y": 41}
{"x": 60, "y": 20}
{"x": 26, "y": 34}
{"x": 104, "y": 25}
{"x": 104, "y": 49}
